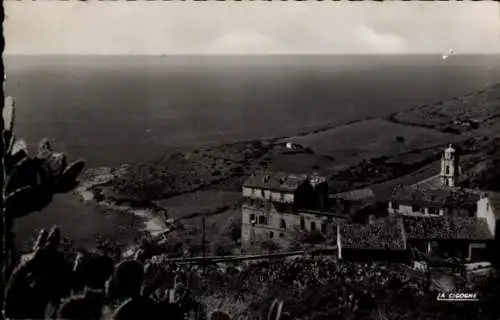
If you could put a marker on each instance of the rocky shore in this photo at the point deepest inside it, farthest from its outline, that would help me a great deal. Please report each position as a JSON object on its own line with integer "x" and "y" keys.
{"x": 94, "y": 178}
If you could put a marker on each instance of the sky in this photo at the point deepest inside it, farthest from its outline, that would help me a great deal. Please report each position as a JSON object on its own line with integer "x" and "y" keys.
{"x": 188, "y": 27}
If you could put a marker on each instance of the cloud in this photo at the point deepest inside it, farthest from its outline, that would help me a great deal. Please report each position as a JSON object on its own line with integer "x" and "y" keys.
{"x": 243, "y": 42}
{"x": 374, "y": 42}
{"x": 249, "y": 27}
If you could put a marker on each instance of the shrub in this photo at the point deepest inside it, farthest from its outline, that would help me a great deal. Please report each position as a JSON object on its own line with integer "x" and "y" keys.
{"x": 451, "y": 130}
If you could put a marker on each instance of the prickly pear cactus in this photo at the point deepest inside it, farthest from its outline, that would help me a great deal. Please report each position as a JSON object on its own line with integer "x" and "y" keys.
{"x": 30, "y": 181}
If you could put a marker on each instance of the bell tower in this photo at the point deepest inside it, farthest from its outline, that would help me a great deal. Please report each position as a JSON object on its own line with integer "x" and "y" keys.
{"x": 450, "y": 168}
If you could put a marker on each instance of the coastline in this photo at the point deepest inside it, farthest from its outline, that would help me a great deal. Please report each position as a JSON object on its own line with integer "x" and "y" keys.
{"x": 99, "y": 176}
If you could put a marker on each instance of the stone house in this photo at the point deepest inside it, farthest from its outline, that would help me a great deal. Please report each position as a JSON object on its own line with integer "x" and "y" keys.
{"x": 277, "y": 205}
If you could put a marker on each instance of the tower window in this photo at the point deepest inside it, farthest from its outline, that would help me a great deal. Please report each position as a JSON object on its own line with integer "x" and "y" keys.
{"x": 447, "y": 170}
{"x": 313, "y": 225}
{"x": 271, "y": 234}
{"x": 302, "y": 224}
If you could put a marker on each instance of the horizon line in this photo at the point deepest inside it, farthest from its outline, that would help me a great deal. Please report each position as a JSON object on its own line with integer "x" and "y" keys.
{"x": 244, "y": 54}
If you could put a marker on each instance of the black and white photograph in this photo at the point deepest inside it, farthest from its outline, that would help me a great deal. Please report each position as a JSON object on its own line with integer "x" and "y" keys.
{"x": 250, "y": 160}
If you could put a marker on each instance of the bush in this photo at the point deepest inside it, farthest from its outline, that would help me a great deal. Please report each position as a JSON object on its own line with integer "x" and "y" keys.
{"x": 222, "y": 247}
{"x": 451, "y": 130}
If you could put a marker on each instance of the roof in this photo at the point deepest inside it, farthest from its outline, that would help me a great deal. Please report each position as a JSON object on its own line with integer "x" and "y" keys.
{"x": 454, "y": 197}
{"x": 450, "y": 148}
{"x": 335, "y": 215}
{"x": 494, "y": 199}
{"x": 433, "y": 182}
{"x": 288, "y": 182}
{"x": 355, "y": 195}
{"x": 386, "y": 234}
{"x": 446, "y": 228}
{"x": 266, "y": 205}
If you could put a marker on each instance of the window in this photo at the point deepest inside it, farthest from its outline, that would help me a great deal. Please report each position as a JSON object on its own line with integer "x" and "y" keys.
{"x": 323, "y": 228}
{"x": 252, "y": 218}
{"x": 282, "y": 197}
{"x": 471, "y": 212}
{"x": 433, "y": 211}
{"x": 282, "y": 223}
{"x": 271, "y": 234}
{"x": 282, "y": 235}
{"x": 262, "y": 194}
{"x": 302, "y": 224}
{"x": 447, "y": 171}
{"x": 262, "y": 220}
{"x": 313, "y": 225}
{"x": 415, "y": 208}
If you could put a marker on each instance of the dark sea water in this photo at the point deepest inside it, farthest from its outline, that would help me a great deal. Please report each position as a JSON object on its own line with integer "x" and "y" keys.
{"x": 111, "y": 110}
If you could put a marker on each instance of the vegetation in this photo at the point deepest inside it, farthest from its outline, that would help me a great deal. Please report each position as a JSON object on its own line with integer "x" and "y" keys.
{"x": 28, "y": 183}
{"x": 322, "y": 288}
{"x": 181, "y": 173}
{"x": 400, "y": 139}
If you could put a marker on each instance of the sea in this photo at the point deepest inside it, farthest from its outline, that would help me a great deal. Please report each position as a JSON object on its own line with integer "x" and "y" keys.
{"x": 111, "y": 110}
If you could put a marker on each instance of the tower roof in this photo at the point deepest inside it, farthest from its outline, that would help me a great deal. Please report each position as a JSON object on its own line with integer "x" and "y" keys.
{"x": 450, "y": 148}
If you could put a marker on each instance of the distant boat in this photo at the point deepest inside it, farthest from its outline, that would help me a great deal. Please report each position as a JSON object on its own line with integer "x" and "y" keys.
{"x": 449, "y": 54}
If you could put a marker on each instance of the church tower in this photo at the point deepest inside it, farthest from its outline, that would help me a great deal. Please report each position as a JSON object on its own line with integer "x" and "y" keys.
{"x": 450, "y": 168}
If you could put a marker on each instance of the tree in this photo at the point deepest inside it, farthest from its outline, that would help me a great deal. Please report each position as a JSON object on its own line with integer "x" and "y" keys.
{"x": 313, "y": 237}
{"x": 232, "y": 229}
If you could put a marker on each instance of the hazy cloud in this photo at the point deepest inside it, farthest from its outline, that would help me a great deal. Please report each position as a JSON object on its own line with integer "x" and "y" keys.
{"x": 243, "y": 42}
{"x": 120, "y": 27}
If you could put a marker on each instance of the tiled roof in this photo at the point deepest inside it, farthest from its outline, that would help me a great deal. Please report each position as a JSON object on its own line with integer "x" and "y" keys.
{"x": 279, "y": 181}
{"x": 355, "y": 195}
{"x": 333, "y": 215}
{"x": 283, "y": 207}
{"x": 266, "y": 205}
{"x": 441, "y": 197}
{"x": 446, "y": 228}
{"x": 380, "y": 235}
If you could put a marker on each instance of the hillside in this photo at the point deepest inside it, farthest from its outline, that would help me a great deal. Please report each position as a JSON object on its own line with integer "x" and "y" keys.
{"x": 403, "y": 148}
